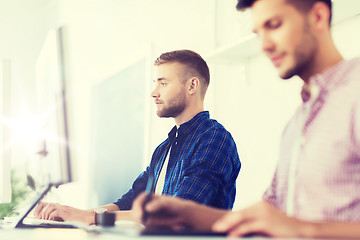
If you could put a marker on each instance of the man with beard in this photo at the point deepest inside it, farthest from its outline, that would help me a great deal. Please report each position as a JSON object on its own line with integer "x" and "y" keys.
{"x": 315, "y": 189}
{"x": 198, "y": 161}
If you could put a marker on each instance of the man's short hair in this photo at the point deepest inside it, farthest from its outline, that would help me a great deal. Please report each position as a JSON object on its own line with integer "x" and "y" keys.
{"x": 302, "y": 5}
{"x": 194, "y": 63}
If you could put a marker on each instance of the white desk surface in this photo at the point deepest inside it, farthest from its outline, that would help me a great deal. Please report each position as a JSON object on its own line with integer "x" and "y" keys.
{"x": 78, "y": 234}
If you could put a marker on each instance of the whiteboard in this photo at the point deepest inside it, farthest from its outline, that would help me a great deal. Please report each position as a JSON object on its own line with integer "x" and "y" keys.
{"x": 117, "y": 132}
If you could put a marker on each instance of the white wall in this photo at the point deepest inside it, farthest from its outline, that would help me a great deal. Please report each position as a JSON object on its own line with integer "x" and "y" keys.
{"x": 105, "y": 36}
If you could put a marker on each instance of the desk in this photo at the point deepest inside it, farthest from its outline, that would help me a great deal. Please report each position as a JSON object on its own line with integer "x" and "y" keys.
{"x": 78, "y": 234}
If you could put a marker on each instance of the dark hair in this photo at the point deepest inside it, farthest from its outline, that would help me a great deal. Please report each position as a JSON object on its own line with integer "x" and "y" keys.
{"x": 302, "y": 5}
{"x": 194, "y": 63}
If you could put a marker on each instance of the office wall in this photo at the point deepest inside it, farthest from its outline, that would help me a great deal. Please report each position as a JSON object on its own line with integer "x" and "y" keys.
{"x": 253, "y": 105}
{"x": 104, "y": 37}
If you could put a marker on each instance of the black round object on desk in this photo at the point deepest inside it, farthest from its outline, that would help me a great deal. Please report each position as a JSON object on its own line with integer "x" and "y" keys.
{"x": 106, "y": 219}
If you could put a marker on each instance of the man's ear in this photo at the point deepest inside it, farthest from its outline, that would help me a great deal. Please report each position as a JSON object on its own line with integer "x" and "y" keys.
{"x": 194, "y": 84}
{"x": 320, "y": 13}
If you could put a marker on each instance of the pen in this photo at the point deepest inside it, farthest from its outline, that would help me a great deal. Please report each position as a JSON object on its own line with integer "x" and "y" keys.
{"x": 149, "y": 190}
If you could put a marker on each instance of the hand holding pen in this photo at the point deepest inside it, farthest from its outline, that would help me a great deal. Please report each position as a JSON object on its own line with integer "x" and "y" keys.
{"x": 149, "y": 190}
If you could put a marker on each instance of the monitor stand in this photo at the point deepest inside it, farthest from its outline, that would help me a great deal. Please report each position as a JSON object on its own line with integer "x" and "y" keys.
{"x": 20, "y": 223}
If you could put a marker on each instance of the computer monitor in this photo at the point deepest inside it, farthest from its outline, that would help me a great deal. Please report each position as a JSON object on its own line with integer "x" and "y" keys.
{"x": 52, "y": 104}
{"x": 54, "y": 150}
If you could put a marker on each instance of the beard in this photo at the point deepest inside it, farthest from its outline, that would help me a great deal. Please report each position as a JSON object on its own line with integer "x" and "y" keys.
{"x": 304, "y": 55}
{"x": 302, "y": 63}
{"x": 173, "y": 108}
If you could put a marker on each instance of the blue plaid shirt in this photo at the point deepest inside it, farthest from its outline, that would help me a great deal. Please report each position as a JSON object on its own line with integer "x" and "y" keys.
{"x": 203, "y": 165}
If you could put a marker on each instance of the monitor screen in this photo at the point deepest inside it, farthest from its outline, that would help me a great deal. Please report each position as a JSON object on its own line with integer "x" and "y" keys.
{"x": 53, "y": 150}
{"x": 52, "y": 140}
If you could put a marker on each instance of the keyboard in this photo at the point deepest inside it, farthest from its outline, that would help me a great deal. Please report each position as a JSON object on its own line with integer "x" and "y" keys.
{"x": 41, "y": 223}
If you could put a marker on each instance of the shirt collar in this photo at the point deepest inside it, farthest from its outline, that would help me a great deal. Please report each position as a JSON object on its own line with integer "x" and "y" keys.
{"x": 189, "y": 126}
{"x": 325, "y": 81}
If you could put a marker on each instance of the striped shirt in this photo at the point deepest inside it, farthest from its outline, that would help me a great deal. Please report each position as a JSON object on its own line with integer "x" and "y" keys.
{"x": 203, "y": 165}
{"x": 324, "y": 134}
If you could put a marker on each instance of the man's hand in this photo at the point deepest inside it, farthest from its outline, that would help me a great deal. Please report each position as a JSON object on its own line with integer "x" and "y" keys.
{"x": 261, "y": 218}
{"x": 161, "y": 210}
{"x": 173, "y": 212}
{"x": 58, "y": 212}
